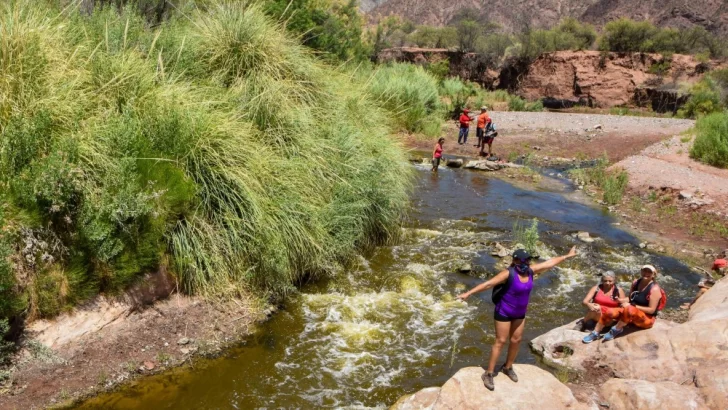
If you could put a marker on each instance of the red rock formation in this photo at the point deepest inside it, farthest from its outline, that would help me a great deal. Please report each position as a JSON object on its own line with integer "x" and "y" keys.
{"x": 613, "y": 79}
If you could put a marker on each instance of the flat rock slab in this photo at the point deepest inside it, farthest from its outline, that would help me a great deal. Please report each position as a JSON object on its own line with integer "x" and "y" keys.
{"x": 536, "y": 389}
{"x": 630, "y": 394}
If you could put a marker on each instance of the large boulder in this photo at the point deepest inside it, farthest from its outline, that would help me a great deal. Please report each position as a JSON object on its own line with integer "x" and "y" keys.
{"x": 536, "y": 388}
{"x": 630, "y": 394}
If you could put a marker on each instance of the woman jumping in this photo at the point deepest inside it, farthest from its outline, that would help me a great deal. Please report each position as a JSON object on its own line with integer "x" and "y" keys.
{"x": 510, "y": 310}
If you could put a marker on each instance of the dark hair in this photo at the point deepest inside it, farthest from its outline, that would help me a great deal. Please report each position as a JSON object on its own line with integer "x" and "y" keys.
{"x": 441, "y": 140}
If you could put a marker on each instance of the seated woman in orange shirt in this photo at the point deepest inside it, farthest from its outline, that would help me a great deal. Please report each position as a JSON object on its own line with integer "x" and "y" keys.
{"x": 599, "y": 298}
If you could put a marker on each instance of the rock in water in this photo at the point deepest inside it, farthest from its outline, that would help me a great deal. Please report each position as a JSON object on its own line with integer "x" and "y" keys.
{"x": 483, "y": 165}
{"x": 465, "y": 268}
{"x": 585, "y": 237}
{"x": 499, "y": 250}
{"x": 536, "y": 389}
{"x": 454, "y": 163}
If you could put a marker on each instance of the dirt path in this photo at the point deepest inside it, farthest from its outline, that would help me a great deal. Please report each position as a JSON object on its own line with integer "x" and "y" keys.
{"x": 106, "y": 343}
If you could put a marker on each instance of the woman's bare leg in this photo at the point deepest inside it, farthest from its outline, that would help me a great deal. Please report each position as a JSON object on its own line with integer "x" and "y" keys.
{"x": 516, "y": 334}
{"x": 502, "y": 331}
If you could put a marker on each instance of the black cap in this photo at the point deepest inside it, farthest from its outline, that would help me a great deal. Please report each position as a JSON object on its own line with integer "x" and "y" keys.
{"x": 521, "y": 254}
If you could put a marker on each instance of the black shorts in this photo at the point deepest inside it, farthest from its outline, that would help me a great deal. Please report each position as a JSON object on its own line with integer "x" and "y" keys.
{"x": 436, "y": 162}
{"x": 480, "y": 132}
{"x": 500, "y": 318}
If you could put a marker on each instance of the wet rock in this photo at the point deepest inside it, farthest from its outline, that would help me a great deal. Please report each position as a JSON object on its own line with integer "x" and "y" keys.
{"x": 644, "y": 395}
{"x": 454, "y": 163}
{"x": 465, "y": 268}
{"x": 465, "y": 390}
{"x": 184, "y": 341}
{"x": 483, "y": 165}
{"x": 585, "y": 237}
{"x": 500, "y": 250}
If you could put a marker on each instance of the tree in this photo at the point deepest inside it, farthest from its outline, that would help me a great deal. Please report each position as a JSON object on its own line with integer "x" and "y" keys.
{"x": 327, "y": 26}
{"x": 468, "y": 33}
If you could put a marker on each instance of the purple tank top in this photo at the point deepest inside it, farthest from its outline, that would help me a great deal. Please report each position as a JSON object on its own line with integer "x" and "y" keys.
{"x": 515, "y": 301}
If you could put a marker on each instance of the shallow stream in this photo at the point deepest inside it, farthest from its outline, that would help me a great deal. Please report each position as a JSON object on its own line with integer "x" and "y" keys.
{"x": 390, "y": 324}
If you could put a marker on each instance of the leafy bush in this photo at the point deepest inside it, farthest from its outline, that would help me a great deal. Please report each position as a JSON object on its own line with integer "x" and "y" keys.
{"x": 704, "y": 99}
{"x": 334, "y": 28}
{"x": 625, "y": 35}
{"x": 711, "y": 142}
{"x": 519, "y": 104}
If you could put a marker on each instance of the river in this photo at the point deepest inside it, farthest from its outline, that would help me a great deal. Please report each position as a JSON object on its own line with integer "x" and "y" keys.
{"x": 390, "y": 325}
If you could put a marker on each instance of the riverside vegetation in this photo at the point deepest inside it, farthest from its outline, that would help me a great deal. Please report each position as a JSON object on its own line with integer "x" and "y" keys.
{"x": 213, "y": 143}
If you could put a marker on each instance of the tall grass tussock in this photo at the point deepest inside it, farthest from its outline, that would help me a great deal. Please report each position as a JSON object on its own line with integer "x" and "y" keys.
{"x": 214, "y": 138}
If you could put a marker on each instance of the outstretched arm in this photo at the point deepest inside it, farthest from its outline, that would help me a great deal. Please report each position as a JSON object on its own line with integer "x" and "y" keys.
{"x": 544, "y": 266}
{"x": 495, "y": 280}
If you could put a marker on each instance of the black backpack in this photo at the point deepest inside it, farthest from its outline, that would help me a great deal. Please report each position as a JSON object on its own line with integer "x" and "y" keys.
{"x": 500, "y": 289}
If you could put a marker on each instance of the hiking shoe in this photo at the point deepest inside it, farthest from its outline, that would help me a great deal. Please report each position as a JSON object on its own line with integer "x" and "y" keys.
{"x": 488, "y": 380}
{"x": 510, "y": 373}
{"x": 594, "y": 335}
{"x": 613, "y": 332}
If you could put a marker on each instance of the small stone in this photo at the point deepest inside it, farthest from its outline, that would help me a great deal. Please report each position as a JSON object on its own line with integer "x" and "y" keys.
{"x": 166, "y": 344}
{"x": 643, "y": 245}
{"x": 685, "y": 195}
{"x": 598, "y": 127}
{"x": 465, "y": 268}
{"x": 499, "y": 251}
{"x": 184, "y": 341}
{"x": 585, "y": 237}
{"x": 148, "y": 366}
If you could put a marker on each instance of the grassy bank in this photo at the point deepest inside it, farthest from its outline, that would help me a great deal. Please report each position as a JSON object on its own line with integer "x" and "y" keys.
{"x": 213, "y": 142}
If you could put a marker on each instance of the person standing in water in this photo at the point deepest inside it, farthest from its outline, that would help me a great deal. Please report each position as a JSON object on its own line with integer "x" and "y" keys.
{"x": 437, "y": 154}
{"x": 511, "y": 307}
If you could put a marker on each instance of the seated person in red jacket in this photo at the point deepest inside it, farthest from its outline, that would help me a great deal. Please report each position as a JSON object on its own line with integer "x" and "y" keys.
{"x": 719, "y": 268}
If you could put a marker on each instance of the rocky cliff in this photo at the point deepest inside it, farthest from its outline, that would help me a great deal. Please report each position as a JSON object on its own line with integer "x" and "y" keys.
{"x": 567, "y": 78}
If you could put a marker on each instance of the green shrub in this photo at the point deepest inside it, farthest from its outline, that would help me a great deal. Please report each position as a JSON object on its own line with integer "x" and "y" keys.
{"x": 410, "y": 94}
{"x": 215, "y": 141}
{"x": 704, "y": 99}
{"x": 711, "y": 141}
{"x": 526, "y": 236}
{"x": 613, "y": 183}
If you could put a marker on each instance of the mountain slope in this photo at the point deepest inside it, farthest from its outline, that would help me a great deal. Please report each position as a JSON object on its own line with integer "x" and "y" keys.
{"x": 513, "y": 15}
